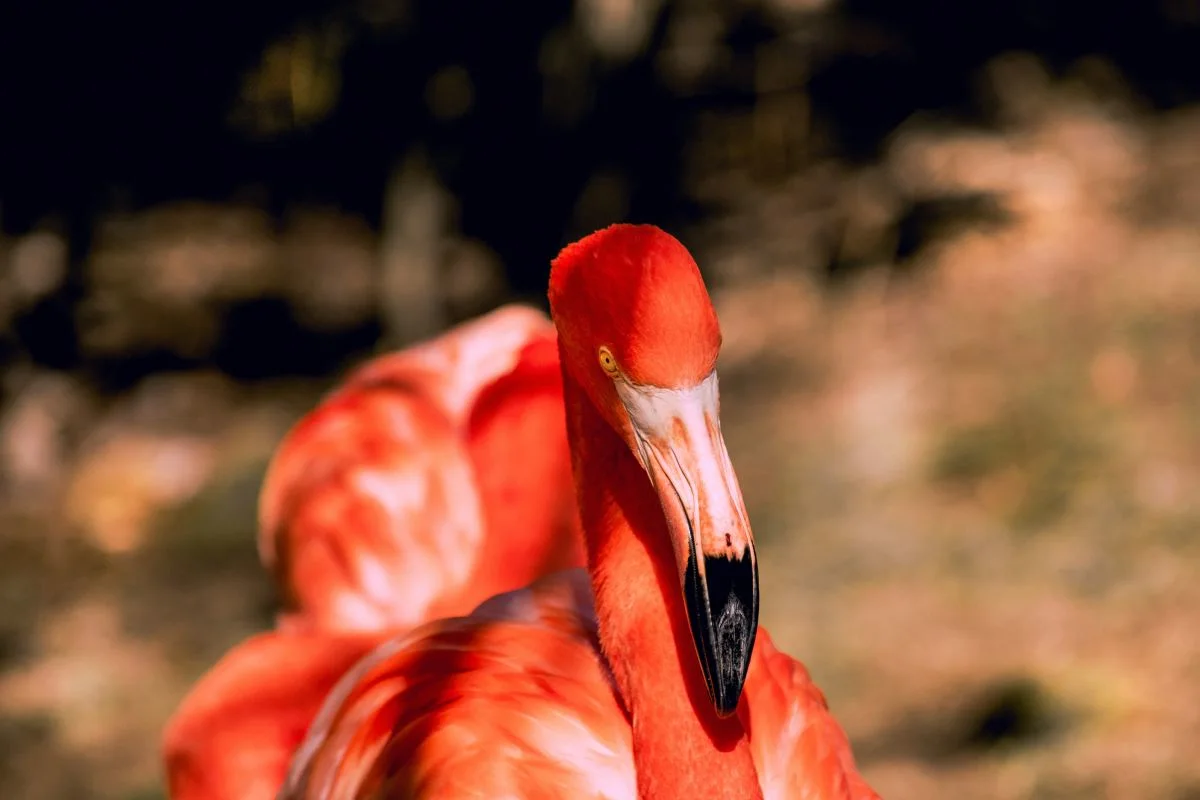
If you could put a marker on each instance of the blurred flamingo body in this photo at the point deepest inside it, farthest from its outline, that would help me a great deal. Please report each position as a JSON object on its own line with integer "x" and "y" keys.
{"x": 396, "y": 501}
{"x": 234, "y": 734}
{"x": 639, "y": 677}
{"x": 392, "y": 503}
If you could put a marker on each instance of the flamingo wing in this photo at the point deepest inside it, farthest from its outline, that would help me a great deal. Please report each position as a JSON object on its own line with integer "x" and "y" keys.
{"x": 517, "y": 441}
{"x": 513, "y": 701}
{"x": 235, "y": 732}
{"x": 396, "y": 500}
{"x": 369, "y": 516}
{"x": 799, "y": 749}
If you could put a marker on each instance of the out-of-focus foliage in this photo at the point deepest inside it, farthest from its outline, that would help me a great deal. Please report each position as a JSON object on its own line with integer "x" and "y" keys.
{"x": 954, "y": 250}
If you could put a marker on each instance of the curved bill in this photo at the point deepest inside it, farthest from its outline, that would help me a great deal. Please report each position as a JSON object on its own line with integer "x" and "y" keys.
{"x": 679, "y": 443}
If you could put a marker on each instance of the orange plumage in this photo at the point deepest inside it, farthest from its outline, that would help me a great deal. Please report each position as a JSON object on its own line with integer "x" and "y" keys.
{"x": 517, "y": 700}
{"x": 610, "y": 683}
{"x": 644, "y": 676}
{"x": 509, "y": 702}
{"x": 391, "y": 503}
{"x": 236, "y": 731}
{"x": 395, "y": 500}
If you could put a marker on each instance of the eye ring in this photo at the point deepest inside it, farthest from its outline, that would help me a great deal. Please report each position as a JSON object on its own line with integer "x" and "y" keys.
{"x": 607, "y": 362}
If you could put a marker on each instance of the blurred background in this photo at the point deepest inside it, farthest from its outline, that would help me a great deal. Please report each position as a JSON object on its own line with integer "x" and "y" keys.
{"x": 955, "y": 248}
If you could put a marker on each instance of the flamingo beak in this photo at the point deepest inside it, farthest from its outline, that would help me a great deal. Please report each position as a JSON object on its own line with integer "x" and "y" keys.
{"x": 678, "y": 440}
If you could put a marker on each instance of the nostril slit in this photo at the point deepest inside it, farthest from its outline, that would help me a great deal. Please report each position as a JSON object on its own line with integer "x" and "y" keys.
{"x": 728, "y": 540}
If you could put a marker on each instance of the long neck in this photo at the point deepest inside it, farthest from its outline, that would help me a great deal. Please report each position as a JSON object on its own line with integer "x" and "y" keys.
{"x": 681, "y": 748}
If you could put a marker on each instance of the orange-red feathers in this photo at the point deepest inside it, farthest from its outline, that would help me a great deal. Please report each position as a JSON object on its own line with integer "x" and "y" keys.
{"x": 517, "y": 700}
{"x": 236, "y": 731}
{"x": 638, "y": 290}
{"x": 439, "y": 476}
{"x": 799, "y": 749}
{"x": 395, "y": 501}
{"x": 514, "y": 701}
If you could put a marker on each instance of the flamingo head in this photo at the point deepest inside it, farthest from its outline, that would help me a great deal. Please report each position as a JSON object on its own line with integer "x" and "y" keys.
{"x": 639, "y": 334}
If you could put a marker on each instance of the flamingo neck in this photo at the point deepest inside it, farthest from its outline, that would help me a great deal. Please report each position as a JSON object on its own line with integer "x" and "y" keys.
{"x": 681, "y": 748}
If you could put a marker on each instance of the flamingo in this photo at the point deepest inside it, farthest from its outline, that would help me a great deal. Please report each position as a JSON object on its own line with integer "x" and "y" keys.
{"x": 645, "y": 675}
{"x": 391, "y": 503}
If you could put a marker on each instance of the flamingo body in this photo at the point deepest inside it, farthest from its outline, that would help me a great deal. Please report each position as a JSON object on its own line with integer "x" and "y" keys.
{"x": 517, "y": 700}
{"x": 511, "y": 701}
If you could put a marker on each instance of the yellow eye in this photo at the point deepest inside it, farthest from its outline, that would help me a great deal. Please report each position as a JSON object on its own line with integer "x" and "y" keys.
{"x": 607, "y": 362}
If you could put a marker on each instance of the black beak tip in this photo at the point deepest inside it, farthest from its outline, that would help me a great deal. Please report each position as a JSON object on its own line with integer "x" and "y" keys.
{"x": 726, "y": 701}
{"x": 724, "y": 621}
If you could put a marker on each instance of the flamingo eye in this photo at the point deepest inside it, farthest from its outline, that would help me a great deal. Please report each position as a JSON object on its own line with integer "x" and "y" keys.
{"x": 607, "y": 362}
